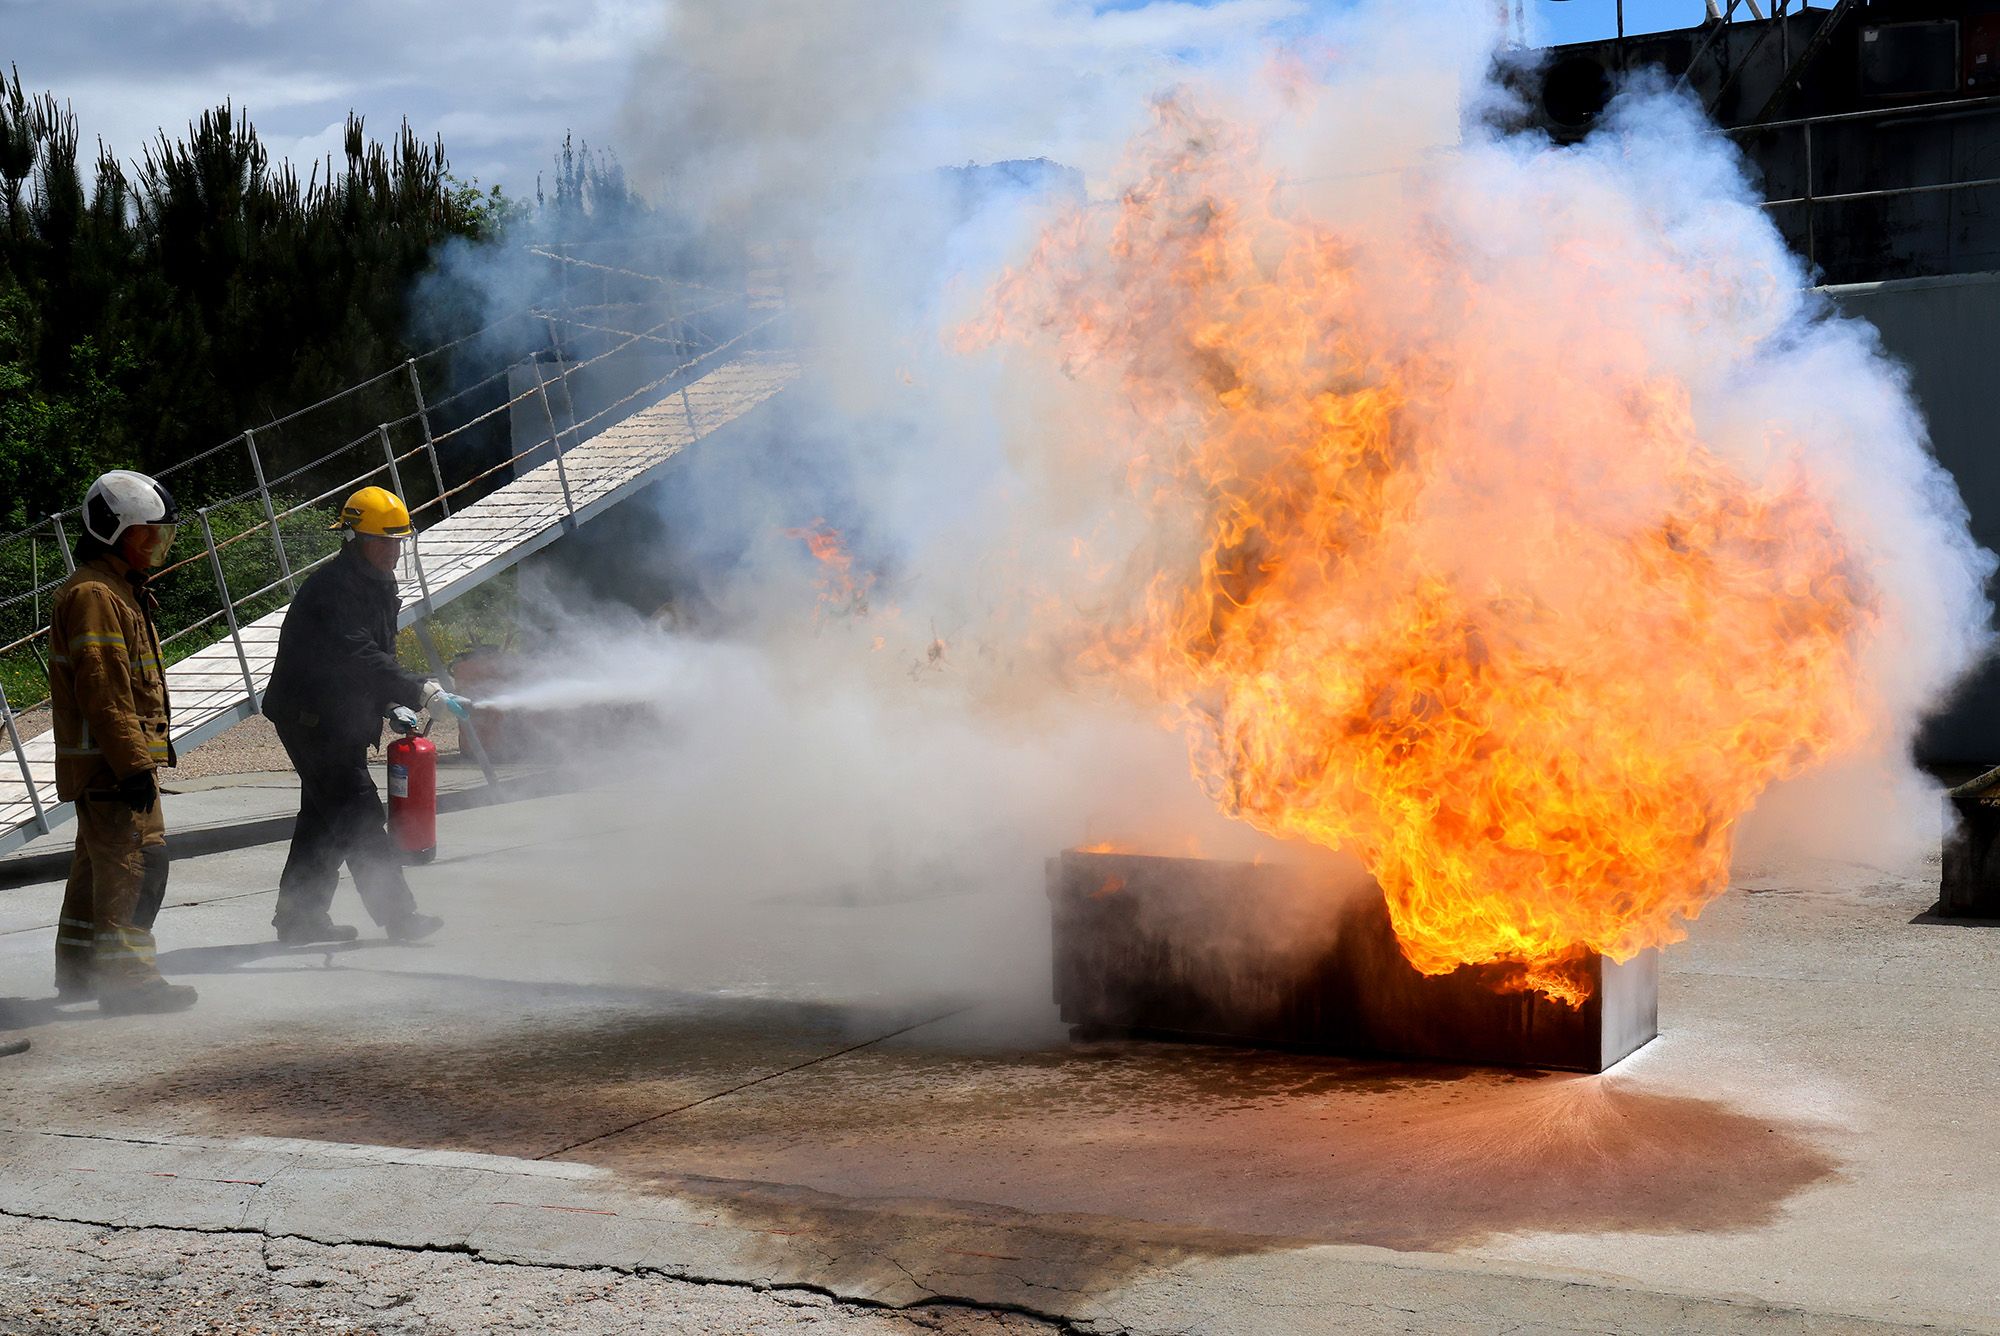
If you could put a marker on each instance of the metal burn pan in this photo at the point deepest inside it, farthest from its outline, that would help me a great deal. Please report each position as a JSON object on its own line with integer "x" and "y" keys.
{"x": 1242, "y": 953}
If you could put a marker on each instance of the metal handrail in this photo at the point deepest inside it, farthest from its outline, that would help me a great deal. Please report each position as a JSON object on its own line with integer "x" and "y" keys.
{"x": 1811, "y": 199}
{"x": 1869, "y": 114}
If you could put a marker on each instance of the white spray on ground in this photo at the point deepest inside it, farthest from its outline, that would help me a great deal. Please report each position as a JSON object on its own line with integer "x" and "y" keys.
{"x": 933, "y": 741}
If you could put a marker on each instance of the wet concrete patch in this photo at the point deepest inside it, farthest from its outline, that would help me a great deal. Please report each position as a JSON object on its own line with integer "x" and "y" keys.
{"x": 1216, "y": 1142}
{"x": 519, "y": 1089}
{"x": 1404, "y": 1157}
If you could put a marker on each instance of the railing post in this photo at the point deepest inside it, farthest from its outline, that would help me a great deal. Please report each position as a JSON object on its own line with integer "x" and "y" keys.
{"x": 466, "y": 728}
{"x": 1812, "y": 240}
{"x": 430, "y": 443}
{"x": 21, "y": 759}
{"x": 396, "y": 480}
{"x": 35, "y": 584}
{"x": 562, "y": 375}
{"x": 555, "y": 442}
{"x": 683, "y": 348}
{"x": 228, "y": 606}
{"x": 62, "y": 543}
{"x": 270, "y": 515}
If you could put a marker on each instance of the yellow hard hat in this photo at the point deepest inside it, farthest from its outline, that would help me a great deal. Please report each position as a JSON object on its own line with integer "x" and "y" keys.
{"x": 377, "y": 512}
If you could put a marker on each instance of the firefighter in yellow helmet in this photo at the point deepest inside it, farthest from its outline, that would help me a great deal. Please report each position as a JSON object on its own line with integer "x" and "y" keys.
{"x": 108, "y": 693}
{"x": 335, "y": 679}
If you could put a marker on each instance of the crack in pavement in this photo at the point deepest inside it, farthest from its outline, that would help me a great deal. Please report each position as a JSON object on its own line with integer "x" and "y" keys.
{"x": 1061, "y": 1324}
{"x": 474, "y": 1162}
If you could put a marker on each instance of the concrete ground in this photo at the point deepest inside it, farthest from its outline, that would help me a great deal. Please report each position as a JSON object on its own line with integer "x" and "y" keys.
{"x": 619, "y": 1093}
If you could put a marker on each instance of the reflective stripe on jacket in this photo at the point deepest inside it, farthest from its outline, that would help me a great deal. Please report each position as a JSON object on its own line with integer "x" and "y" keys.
{"x": 107, "y": 687}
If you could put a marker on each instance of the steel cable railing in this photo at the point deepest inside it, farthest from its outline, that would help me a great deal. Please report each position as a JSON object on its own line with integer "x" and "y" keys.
{"x": 222, "y": 548}
{"x": 401, "y": 368}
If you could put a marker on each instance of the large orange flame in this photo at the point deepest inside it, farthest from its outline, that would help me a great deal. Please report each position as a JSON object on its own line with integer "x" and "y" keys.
{"x": 1531, "y": 672}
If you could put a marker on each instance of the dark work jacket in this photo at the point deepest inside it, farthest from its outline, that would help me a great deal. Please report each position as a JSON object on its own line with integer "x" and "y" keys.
{"x": 336, "y": 671}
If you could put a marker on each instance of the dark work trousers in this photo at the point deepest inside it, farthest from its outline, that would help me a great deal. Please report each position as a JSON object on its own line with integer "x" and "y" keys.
{"x": 340, "y": 820}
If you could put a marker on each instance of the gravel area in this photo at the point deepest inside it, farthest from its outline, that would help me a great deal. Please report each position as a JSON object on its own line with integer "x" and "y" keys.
{"x": 247, "y": 748}
{"x": 62, "y": 1279}
{"x": 252, "y": 746}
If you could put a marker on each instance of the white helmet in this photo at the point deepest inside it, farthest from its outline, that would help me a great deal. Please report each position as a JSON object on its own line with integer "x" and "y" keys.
{"x": 121, "y": 499}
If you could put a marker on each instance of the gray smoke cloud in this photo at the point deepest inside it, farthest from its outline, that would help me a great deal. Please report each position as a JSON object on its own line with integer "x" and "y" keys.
{"x": 916, "y": 735}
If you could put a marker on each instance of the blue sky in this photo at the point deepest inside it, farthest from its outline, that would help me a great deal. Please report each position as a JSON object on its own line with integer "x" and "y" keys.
{"x": 1582, "y": 20}
{"x": 1567, "y": 20}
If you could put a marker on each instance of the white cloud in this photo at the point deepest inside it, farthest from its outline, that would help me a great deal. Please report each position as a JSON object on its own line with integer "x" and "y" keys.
{"x": 502, "y": 79}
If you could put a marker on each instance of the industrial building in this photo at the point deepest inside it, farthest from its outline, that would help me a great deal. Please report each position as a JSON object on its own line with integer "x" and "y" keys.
{"x": 1874, "y": 133}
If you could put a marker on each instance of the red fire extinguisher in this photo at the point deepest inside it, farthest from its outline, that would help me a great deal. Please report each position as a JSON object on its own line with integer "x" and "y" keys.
{"x": 413, "y": 792}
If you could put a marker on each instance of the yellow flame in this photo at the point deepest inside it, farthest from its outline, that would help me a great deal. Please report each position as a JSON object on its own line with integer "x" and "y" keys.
{"x": 1540, "y": 747}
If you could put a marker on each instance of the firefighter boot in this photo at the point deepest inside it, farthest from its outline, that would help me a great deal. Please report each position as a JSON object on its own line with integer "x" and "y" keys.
{"x": 305, "y": 932}
{"x": 150, "y": 998}
{"x": 412, "y": 926}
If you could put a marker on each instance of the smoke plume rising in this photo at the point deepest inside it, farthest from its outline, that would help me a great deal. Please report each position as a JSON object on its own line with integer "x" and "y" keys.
{"x": 1677, "y": 544}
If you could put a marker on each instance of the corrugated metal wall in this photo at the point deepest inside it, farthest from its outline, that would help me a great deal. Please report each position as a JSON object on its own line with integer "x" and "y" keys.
{"x": 1947, "y": 331}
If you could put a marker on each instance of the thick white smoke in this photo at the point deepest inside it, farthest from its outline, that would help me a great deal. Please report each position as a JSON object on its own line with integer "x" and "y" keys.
{"x": 935, "y": 738}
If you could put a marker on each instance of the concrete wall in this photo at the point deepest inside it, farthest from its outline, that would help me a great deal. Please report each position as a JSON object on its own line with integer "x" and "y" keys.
{"x": 1947, "y": 330}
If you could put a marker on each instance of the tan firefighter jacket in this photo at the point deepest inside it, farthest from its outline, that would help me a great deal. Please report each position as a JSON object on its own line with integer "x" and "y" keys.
{"x": 106, "y": 685}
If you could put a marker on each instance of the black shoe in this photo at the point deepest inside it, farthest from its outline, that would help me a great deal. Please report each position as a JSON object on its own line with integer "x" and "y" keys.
{"x": 75, "y": 990}
{"x": 315, "y": 930}
{"x": 9, "y": 1047}
{"x": 414, "y": 926}
{"x": 150, "y": 998}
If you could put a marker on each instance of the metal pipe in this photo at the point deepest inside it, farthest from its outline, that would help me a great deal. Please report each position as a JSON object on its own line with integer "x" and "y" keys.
{"x": 21, "y": 759}
{"x": 1875, "y": 114}
{"x": 396, "y": 480}
{"x": 62, "y": 543}
{"x": 466, "y": 728}
{"x": 1721, "y": 20}
{"x": 555, "y": 443}
{"x": 228, "y": 608}
{"x": 270, "y": 515}
{"x": 1738, "y": 66}
{"x": 562, "y": 376}
{"x": 1851, "y": 195}
{"x": 1812, "y": 220}
{"x": 684, "y": 344}
{"x": 430, "y": 444}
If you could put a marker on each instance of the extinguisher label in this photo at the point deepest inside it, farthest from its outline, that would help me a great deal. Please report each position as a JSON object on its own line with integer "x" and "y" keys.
{"x": 399, "y": 781}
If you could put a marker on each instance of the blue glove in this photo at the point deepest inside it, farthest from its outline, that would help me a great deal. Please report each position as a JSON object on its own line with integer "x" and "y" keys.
{"x": 404, "y": 719}
{"x": 434, "y": 692}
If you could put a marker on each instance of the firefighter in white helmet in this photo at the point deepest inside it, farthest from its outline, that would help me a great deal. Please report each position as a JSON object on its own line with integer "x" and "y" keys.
{"x": 335, "y": 679}
{"x": 108, "y": 692}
